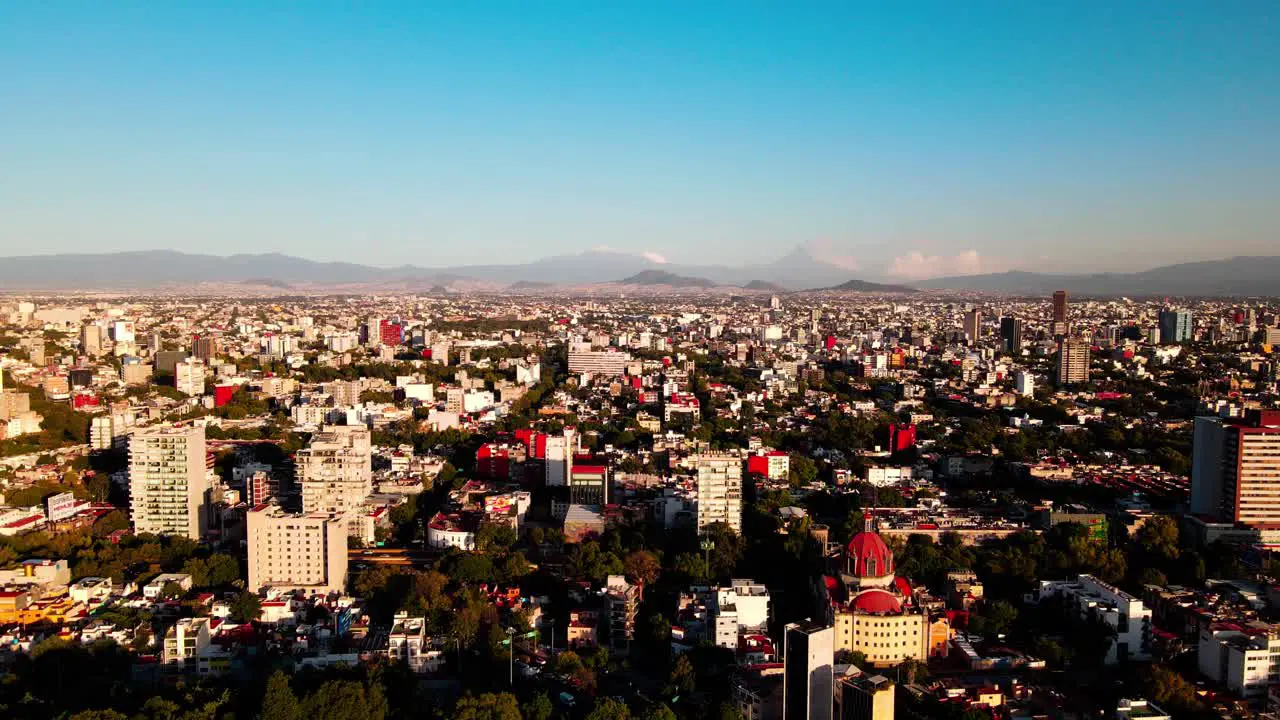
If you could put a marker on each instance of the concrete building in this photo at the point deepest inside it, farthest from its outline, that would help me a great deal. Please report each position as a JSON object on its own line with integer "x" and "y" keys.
{"x": 1011, "y": 334}
{"x": 1073, "y": 361}
{"x": 871, "y": 610}
{"x": 809, "y": 657}
{"x": 1124, "y": 613}
{"x": 1176, "y": 326}
{"x": 168, "y": 480}
{"x": 91, "y": 336}
{"x": 973, "y": 326}
{"x": 335, "y": 472}
{"x": 606, "y": 363}
{"x": 296, "y": 551}
{"x": 1235, "y": 473}
{"x": 719, "y": 479}
{"x": 1245, "y": 659}
{"x": 1024, "y": 383}
{"x": 187, "y": 640}
{"x": 188, "y": 377}
{"x": 864, "y": 697}
{"x": 622, "y": 599}
{"x": 589, "y": 483}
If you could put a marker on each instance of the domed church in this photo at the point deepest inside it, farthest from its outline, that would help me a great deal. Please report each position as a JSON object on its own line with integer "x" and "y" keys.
{"x": 873, "y": 611}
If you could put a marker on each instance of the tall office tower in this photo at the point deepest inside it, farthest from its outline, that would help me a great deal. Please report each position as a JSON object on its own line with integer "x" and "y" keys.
{"x": 335, "y": 472}
{"x": 156, "y": 343}
{"x": 973, "y": 325}
{"x": 1060, "y": 327}
{"x": 719, "y": 490}
{"x": 1073, "y": 361}
{"x": 168, "y": 478}
{"x": 1235, "y": 472}
{"x": 91, "y": 339}
{"x": 188, "y": 377}
{"x": 807, "y": 683}
{"x": 1024, "y": 383}
{"x": 295, "y": 551}
{"x": 865, "y": 697}
{"x": 372, "y": 331}
{"x": 204, "y": 348}
{"x": 1175, "y": 326}
{"x": 1059, "y": 306}
{"x": 1011, "y": 334}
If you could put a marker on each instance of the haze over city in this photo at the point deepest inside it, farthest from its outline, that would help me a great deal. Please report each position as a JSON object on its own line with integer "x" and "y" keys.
{"x": 905, "y": 142}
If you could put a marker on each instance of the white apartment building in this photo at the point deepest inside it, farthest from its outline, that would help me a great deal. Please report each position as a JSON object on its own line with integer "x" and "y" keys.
{"x": 335, "y": 472}
{"x": 168, "y": 479}
{"x": 558, "y": 463}
{"x": 1245, "y": 659}
{"x": 187, "y": 640}
{"x": 188, "y": 377}
{"x": 1125, "y": 613}
{"x": 719, "y": 490}
{"x": 408, "y": 641}
{"x": 1025, "y": 383}
{"x": 607, "y": 363}
{"x": 294, "y": 551}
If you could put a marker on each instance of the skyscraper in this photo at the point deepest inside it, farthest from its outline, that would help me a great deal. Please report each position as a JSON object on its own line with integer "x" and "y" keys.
{"x": 719, "y": 490}
{"x": 1073, "y": 361}
{"x": 1175, "y": 326}
{"x": 1060, "y": 327}
{"x": 167, "y": 481}
{"x": 204, "y": 348}
{"x": 1059, "y": 306}
{"x": 807, "y": 683}
{"x": 1235, "y": 474}
{"x": 972, "y": 325}
{"x": 1011, "y": 334}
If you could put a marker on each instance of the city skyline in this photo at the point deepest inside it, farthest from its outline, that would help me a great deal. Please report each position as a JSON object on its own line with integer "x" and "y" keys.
{"x": 976, "y": 140}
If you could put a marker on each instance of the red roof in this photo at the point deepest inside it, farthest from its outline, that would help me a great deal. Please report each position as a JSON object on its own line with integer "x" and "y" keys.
{"x": 869, "y": 556}
{"x": 877, "y": 600}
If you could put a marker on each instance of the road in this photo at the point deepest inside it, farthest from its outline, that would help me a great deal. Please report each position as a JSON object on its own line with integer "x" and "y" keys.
{"x": 405, "y": 557}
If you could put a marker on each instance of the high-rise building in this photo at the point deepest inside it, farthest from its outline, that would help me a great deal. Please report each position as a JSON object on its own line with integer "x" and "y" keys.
{"x": 1024, "y": 383}
{"x": 188, "y": 377}
{"x": 335, "y": 471}
{"x": 204, "y": 348}
{"x": 1060, "y": 306}
{"x": 168, "y": 479}
{"x": 807, "y": 685}
{"x": 719, "y": 490}
{"x": 91, "y": 339}
{"x": 345, "y": 393}
{"x": 557, "y": 454}
{"x": 1011, "y": 334}
{"x": 1175, "y": 326}
{"x": 1235, "y": 472}
{"x": 293, "y": 551}
{"x": 865, "y": 697}
{"x": 1073, "y": 361}
{"x": 972, "y": 325}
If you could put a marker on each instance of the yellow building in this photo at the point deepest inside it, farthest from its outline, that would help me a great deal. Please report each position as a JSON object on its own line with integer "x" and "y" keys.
{"x": 872, "y": 610}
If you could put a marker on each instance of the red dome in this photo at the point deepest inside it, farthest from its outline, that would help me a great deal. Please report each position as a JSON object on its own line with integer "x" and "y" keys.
{"x": 868, "y": 556}
{"x": 876, "y": 600}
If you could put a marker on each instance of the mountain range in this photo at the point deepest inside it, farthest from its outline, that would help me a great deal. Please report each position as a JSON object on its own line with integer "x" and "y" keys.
{"x": 797, "y": 271}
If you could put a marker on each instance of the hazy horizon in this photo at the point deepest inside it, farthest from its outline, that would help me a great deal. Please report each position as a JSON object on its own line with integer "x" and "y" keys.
{"x": 901, "y": 143}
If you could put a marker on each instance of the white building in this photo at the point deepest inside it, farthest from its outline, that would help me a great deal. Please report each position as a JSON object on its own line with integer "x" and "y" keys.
{"x": 1024, "y": 383}
{"x": 187, "y": 640}
{"x": 887, "y": 476}
{"x": 607, "y": 363}
{"x": 1125, "y": 613}
{"x": 296, "y": 551}
{"x": 188, "y": 377}
{"x": 168, "y": 480}
{"x": 1243, "y": 658}
{"x": 408, "y": 641}
{"x": 719, "y": 490}
{"x": 559, "y": 458}
{"x": 335, "y": 472}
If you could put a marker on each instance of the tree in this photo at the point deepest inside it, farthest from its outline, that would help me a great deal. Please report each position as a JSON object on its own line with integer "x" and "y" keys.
{"x": 994, "y": 618}
{"x": 1170, "y": 690}
{"x": 245, "y": 607}
{"x": 279, "y": 703}
{"x": 683, "y": 677}
{"x": 495, "y": 537}
{"x": 489, "y": 706}
{"x": 609, "y": 709}
{"x": 172, "y": 591}
{"x": 538, "y": 707}
{"x": 803, "y": 470}
{"x": 1158, "y": 538}
{"x": 99, "y": 715}
{"x": 345, "y": 700}
{"x": 658, "y": 712}
{"x": 642, "y": 566}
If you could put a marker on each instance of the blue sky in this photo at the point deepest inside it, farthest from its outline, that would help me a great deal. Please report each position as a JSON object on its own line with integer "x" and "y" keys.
{"x": 908, "y": 139}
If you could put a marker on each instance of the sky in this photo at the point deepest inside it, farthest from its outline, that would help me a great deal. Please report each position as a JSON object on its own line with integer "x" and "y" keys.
{"x": 901, "y": 139}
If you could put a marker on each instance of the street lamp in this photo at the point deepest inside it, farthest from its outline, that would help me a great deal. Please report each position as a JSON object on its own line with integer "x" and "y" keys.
{"x": 511, "y": 657}
{"x": 707, "y": 546}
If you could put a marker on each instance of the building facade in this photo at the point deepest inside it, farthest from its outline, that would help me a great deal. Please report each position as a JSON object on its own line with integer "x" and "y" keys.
{"x": 168, "y": 480}
{"x": 719, "y": 490}
{"x": 335, "y": 471}
{"x": 296, "y": 551}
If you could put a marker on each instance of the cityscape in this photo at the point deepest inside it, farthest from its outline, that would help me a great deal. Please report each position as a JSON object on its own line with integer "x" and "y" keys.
{"x": 503, "y": 360}
{"x": 750, "y": 505}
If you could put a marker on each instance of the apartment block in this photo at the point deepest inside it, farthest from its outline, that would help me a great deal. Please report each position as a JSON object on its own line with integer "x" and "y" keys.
{"x": 296, "y": 551}
{"x": 168, "y": 480}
